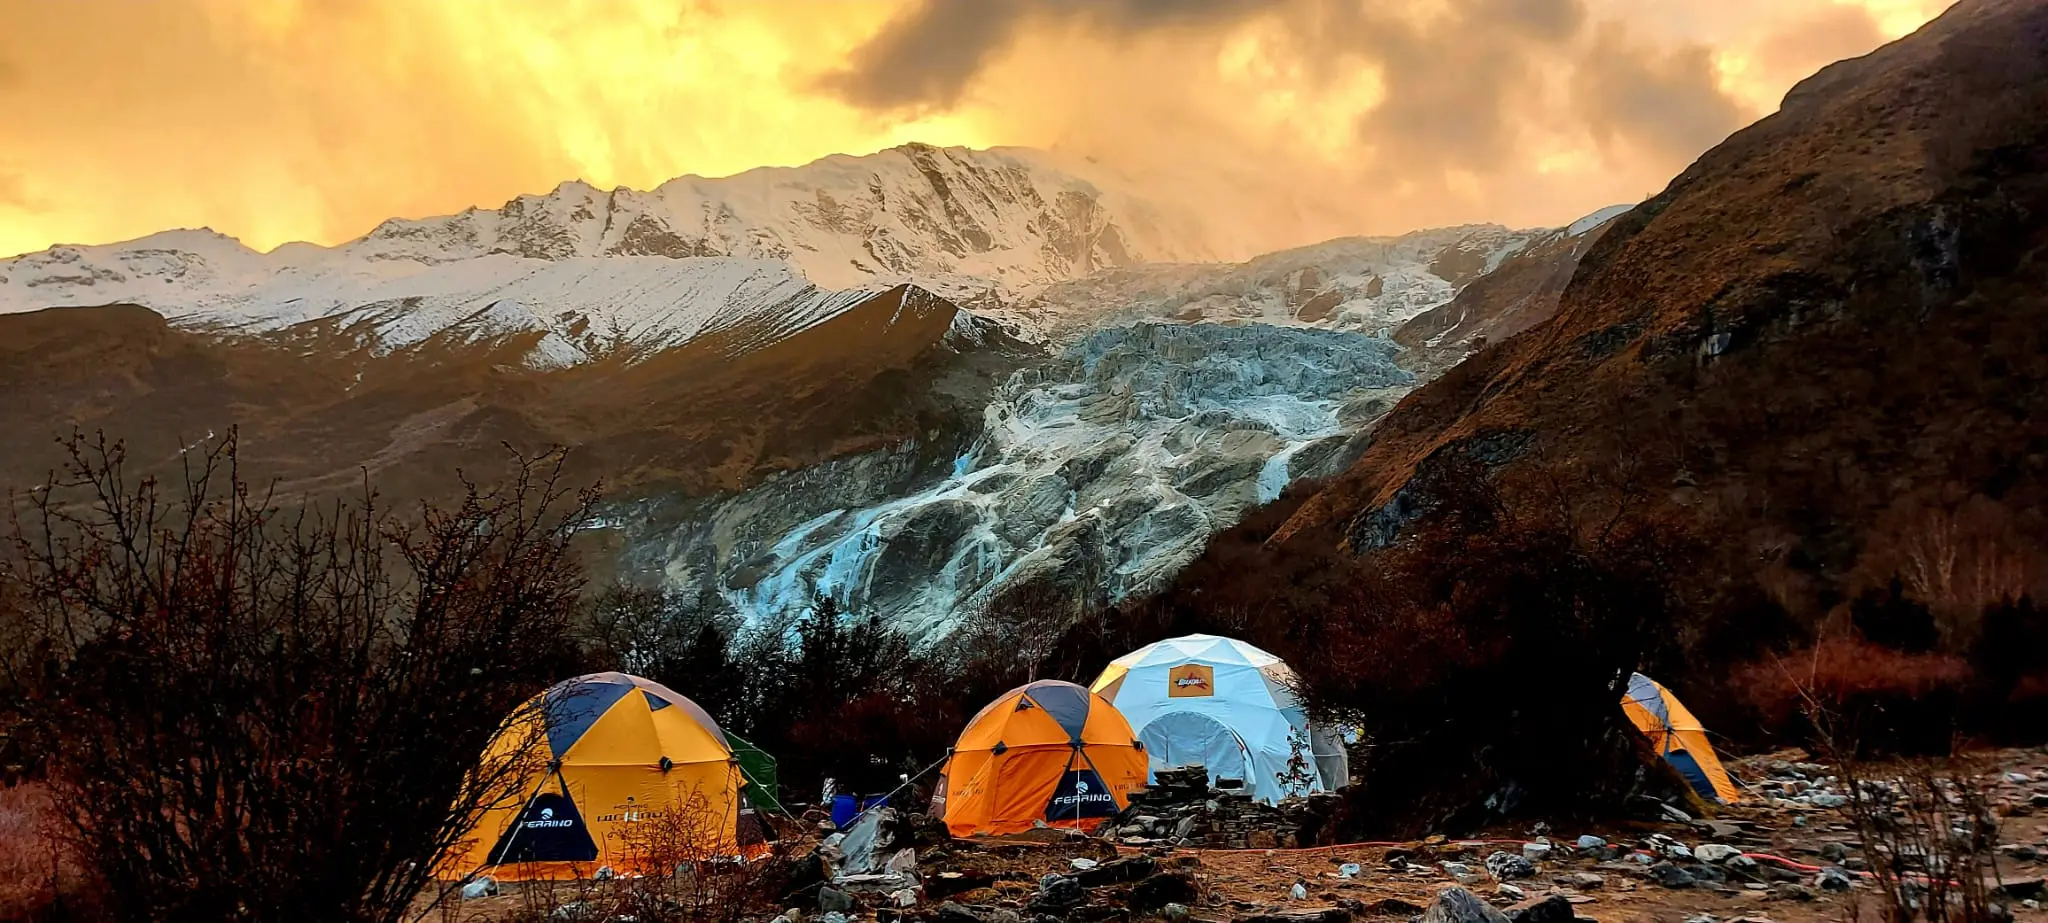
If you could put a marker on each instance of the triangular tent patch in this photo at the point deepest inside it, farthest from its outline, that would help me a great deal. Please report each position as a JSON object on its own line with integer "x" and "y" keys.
{"x": 550, "y": 830}
{"x": 1081, "y": 795}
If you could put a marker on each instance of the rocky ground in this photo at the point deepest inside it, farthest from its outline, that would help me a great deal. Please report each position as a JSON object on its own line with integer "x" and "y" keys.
{"x": 1788, "y": 854}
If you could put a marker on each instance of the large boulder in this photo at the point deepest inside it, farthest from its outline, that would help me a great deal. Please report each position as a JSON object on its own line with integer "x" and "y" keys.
{"x": 1457, "y": 905}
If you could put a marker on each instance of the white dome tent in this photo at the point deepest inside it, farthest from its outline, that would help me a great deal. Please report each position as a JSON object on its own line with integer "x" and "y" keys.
{"x": 1226, "y": 705}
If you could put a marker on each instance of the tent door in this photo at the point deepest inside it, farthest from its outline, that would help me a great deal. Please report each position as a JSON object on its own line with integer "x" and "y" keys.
{"x": 1183, "y": 738}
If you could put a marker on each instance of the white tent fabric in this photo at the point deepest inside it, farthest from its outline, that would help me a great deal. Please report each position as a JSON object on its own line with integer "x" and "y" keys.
{"x": 1226, "y": 705}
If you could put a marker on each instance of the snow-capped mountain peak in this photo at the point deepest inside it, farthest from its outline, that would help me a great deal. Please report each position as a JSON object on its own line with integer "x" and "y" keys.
{"x": 654, "y": 267}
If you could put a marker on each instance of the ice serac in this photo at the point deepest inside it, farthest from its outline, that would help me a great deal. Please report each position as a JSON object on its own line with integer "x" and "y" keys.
{"x": 1112, "y": 462}
{"x": 1519, "y": 289}
{"x": 1366, "y": 284}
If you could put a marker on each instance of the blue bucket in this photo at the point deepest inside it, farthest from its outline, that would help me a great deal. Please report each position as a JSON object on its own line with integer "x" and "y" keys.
{"x": 844, "y": 808}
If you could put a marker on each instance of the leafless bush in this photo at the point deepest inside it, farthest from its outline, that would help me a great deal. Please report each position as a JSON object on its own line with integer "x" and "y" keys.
{"x": 672, "y": 868}
{"x": 254, "y": 713}
{"x": 1956, "y": 558}
{"x": 1927, "y": 829}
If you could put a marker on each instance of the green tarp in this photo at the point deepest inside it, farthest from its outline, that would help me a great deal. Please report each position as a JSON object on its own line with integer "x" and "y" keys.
{"x": 763, "y": 783}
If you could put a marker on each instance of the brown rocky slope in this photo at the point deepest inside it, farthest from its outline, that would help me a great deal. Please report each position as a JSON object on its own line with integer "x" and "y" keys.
{"x": 316, "y": 410}
{"x": 1837, "y": 313}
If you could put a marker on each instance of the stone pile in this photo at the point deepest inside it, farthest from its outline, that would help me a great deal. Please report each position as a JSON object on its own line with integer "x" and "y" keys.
{"x": 1183, "y": 808}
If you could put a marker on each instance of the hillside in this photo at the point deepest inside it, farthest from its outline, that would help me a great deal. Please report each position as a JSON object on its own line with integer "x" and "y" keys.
{"x": 317, "y": 409}
{"x": 1826, "y": 331}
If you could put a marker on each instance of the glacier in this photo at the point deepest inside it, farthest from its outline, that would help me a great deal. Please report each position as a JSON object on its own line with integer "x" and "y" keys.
{"x": 1110, "y": 463}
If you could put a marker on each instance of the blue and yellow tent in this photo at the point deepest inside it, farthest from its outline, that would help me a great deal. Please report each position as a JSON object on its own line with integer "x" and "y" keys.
{"x": 1678, "y": 737}
{"x": 619, "y": 750}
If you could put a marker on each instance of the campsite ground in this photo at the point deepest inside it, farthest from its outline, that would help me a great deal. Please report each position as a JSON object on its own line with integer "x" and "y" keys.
{"x": 1397, "y": 881}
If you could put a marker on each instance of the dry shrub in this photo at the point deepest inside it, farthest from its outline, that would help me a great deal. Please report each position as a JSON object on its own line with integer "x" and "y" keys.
{"x": 40, "y": 878}
{"x": 671, "y": 873}
{"x": 1897, "y": 701}
{"x": 1959, "y": 558}
{"x": 1929, "y": 832}
{"x": 256, "y": 713}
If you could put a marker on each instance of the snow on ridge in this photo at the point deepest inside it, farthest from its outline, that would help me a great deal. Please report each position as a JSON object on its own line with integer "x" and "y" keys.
{"x": 581, "y": 265}
{"x": 1597, "y": 219}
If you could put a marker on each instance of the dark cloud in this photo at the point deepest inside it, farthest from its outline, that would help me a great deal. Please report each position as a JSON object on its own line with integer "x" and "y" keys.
{"x": 1456, "y": 85}
{"x": 1664, "y": 99}
{"x": 926, "y": 57}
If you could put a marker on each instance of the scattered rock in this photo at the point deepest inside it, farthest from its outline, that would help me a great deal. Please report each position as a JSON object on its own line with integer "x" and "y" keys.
{"x": 1555, "y": 908}
{"x": 1590, "y": 841}
{"x": 1833, "y": 851}
{"x": 1585, "y": 881}
{"x": 1164, "y": 889}
{"x": 1715, "y": 853}
{"x": 1084, "y": 864}
{"x": 1174, "y": 913}
{"x": 1671, "y": 875}
{"x": 1510, "y": 893}
{"x": 1833, "y": 879}
{"x": 1459, "y": 871}
{"x": 1056, "y": 894}
{"x": 1504, "y": 866}
{"x": 1536, "y": 852}
{"x": 1116, "y": 871}
{"x": 2021, "y": 890}
{"x": 574, "y": 912}
{"x": 1393, "y": 907}
{"x": 1350, "y": 870}
{"x": 1457, "y": 905}
{"x": 1299, "y": 892}
{"x": 831, "y": 899}
{"x": 950, "y": 912}
{"x": 1702, "y": 918}
{"x": 1787, "y": 891}
{"x": 1324, "y": 915}
{"x": 480, "y": 888}
{"x": 1667, "y": 847}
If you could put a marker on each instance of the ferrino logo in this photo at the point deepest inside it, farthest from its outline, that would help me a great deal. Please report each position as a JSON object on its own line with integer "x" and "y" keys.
{"x": 547, "y": 819}
{"x": 1083, "y": 793}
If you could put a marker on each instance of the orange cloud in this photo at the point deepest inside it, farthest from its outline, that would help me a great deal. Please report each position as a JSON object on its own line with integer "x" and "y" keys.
{"x": 1298, "y": 119}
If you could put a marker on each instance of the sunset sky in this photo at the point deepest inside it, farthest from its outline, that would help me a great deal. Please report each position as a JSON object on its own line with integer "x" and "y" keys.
{"x": 280, "y": 120}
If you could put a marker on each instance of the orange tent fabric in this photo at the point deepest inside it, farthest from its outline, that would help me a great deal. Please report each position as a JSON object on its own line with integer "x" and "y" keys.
{"x": 624, "y": 768}
{"x": 1679, "y": 738}
{"x": 1049, "y": 752}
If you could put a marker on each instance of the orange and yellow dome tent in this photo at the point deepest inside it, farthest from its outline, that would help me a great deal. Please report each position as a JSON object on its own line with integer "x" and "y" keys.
{"x": 619, "y": 750}
{"x": 1049, "y": 752}
{"x": 1678, "y": 738}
